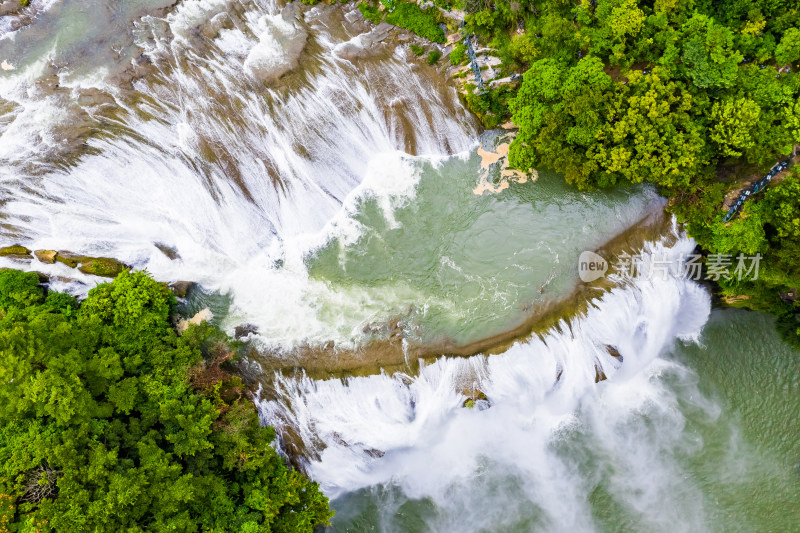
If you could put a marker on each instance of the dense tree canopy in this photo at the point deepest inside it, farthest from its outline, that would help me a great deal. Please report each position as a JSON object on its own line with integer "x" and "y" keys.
{"x": 110, "y": 422}
{"x": 676, "y": 91}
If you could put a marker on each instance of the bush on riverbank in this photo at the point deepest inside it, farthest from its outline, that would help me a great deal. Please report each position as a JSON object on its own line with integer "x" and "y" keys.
{"x": 458, "y": 55}
{"x": 770, "y": 227}
{"x": 371, "y": 12}
{"x": 491, "y": 106}
{"x": 111, "y": 422}
{"x": 423, "y": 22}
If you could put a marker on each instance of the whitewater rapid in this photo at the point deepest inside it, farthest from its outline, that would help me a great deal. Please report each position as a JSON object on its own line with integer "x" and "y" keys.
{"x": 413, "y": 433}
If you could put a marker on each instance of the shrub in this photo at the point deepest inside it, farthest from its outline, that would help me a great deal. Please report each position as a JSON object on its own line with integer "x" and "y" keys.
{"x": 19, "y": 289}
{"x": 458, "y": 55}
{"x": 418, "y": 50}
{"x": 433, "y": 57}
{"x": 62, "y": 302}
{"x": 423, "y": 22}
{"x": 370, "y": 12}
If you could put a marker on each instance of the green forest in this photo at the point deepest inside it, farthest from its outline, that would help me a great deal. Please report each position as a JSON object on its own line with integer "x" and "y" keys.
{"x": 697, "y": 97}
{"x": 111, "y": 422}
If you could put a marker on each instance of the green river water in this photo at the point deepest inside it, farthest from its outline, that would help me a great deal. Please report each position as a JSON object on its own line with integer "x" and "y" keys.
{"x": 464, "y": 266}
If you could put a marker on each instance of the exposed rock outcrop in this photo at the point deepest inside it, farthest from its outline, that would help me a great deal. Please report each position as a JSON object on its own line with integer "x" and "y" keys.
{"x": 181, "y": 288}
{"x": 15, "y": 251}
{"x": 278, "y": 51}
{"x": 105, "y": 267}
{"x": 364, "y": 45}
{"x": 169, "y": 251}
{"x": 70, "y": 259}
{"x": 204, "y": 315}
{"x": 244, "y": 330}
{"x": 47, "y": 257}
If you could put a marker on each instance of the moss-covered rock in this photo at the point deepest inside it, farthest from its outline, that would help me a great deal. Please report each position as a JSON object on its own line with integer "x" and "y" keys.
{"x": 70, "y": 259}
{"x": 46, "y": 256}
{"x": 102, "y": 266}
{"x": 16, "y": 250}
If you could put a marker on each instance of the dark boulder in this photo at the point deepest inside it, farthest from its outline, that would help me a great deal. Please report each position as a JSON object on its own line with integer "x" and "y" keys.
{"x": 244, "y": 330}
{"x": 181, "y": 288}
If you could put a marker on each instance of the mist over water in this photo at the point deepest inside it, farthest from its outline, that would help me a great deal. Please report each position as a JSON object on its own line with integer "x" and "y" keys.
{"x": 414, "y": 432}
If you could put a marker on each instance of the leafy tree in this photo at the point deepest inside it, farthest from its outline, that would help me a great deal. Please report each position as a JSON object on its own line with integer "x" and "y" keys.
{"x": 458, "y": 55}
{"x": 370, "y": 12}
{"x": 423, "y": 22}
{"x": 524, "y": 48}
{"x": 650, "y": 135}
{"x": 788, "y": 51}
{"x": 734, "y": 121}
{"x": 745, "y": 234}
{"x": 541, "y": 88}
{"x": 709, "y": 57}
{"x": 699, "y": 97}
{"x": 19, "y": 289}
{"x": 791, "y": 122}
{"x": 484, "y": 19}
{"x": 783, "y": 204}
{"x": 625, "y": 18}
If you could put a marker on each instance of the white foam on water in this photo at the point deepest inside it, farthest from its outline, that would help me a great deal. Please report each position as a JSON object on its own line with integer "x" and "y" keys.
{"x": 193, "y": 14}
{"x": 280, "y": 44}
{"x": 413, "y": 433}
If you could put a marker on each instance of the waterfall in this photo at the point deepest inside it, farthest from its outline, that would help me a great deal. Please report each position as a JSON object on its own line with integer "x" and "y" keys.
{"x": 413, "y": 432}
{"x": 229, "y": 132}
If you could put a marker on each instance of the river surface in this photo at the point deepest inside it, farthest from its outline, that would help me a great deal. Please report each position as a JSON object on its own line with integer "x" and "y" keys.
{"x": 325, "y": 186}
